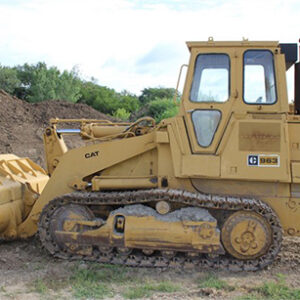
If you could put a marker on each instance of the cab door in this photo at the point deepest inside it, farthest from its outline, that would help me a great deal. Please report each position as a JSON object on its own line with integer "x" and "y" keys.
{"x": 208, "y": 96}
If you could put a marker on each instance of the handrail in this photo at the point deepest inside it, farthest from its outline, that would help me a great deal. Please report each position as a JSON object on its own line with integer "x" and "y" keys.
{"x": 178, "y": 81}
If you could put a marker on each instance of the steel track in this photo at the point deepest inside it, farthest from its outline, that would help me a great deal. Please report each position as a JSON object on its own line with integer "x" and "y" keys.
{"x": 137, "y": 258}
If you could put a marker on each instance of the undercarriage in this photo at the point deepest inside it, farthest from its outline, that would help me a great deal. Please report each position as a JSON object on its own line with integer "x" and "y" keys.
{"x": 134, "y": 228}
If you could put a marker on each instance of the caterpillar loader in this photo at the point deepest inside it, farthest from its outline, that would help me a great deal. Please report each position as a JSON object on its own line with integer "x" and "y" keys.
{"x": 216, "y": 186}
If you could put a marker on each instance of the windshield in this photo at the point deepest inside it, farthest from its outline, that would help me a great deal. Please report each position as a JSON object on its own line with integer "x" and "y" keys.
{"x": 259, "y": 77}
{"x": 211, "y": 78}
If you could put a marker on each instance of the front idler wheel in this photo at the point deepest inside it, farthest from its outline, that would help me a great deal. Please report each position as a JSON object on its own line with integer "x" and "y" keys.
{"x": 64, "y": 220}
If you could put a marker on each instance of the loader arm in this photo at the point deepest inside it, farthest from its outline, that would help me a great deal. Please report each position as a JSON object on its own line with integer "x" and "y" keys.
{"x": 77, "y": 164}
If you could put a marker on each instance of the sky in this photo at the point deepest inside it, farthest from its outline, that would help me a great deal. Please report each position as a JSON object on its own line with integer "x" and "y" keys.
{"x": 132, "y": 44}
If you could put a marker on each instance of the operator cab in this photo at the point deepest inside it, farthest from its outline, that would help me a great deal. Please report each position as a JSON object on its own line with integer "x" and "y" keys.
{"x": 226, "y": 78}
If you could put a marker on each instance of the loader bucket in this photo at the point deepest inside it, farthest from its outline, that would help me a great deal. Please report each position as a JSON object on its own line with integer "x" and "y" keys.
{"x": 21, "y": 182}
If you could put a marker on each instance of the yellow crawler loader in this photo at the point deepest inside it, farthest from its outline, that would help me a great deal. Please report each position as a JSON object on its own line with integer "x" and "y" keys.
{"x": 216, "y": 186}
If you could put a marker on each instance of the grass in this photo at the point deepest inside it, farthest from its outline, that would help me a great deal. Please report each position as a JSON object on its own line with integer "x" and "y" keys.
{"x": 277, "y": 290}
{"x": 98, "y": 283}
{"x": 95, "y": 282}
{"x": 212, "y": 281}
{"x": 92, "y": 290}
{"x": 43, "y": 285}
{"x": 105, "y": 281}
{"x": 40, "y": 286}
{"x": 103, "y": 273}
{"x": 147, "y": 289}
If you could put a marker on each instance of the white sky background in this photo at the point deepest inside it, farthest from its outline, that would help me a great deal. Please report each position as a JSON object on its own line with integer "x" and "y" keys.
{"x": 131, "y": 44}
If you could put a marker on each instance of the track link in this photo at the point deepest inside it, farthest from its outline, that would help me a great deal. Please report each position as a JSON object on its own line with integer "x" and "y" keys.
{"x": 137, "y": 258}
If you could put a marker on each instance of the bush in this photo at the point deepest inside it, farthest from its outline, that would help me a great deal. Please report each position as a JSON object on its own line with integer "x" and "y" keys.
{"x": 160, "y": 109}
{"x": 9, "y": 80}
{"x": 122, "y": 114}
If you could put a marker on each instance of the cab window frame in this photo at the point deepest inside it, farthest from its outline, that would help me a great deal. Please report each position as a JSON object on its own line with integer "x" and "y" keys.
{"x": 229, "y": 78}
{"x": 274, "y": 72}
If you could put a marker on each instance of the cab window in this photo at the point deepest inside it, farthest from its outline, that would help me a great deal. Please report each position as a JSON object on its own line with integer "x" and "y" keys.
{"x": 211, "y": 78}
{"x": 205, "y": 124}
{"x": 259, "y": 77}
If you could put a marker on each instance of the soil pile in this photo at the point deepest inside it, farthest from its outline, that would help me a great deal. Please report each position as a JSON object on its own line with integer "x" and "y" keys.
{"x": 22, "y": 124}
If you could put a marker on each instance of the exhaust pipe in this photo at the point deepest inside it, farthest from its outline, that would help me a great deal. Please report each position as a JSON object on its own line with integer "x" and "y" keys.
{"x": 297, "y": 86}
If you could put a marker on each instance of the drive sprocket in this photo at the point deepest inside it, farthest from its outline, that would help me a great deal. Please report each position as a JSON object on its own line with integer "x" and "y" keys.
{"x": 246, "y": 235}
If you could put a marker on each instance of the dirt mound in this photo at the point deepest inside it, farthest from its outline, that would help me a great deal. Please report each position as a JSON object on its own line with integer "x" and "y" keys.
{"x": 22, "y": 124}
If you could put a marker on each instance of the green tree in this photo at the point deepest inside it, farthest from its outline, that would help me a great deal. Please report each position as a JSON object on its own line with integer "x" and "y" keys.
{"x": 129, "y": 101}
{"x": 69, "y": 86}
{"x": 151, "y": 94}
{"x": 42, "y": 83}
{"x": 99, "y": 97}
{"x": 107, "y": 100}
{"x": 9, "y": 80}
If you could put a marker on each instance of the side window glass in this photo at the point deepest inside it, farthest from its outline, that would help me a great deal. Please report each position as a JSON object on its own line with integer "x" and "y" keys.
{"x": 259, "y": 77}
{"x": 211, "y": 78}
{"x": 205, "y": 124}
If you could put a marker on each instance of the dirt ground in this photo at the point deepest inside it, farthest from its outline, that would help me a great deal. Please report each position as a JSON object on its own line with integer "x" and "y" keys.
{"x": 28, "y": 272}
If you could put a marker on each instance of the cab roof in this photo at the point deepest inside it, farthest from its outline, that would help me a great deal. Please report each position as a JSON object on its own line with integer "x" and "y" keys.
{"x": 289, "y": 50}
{"x": 233, "y": 44}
